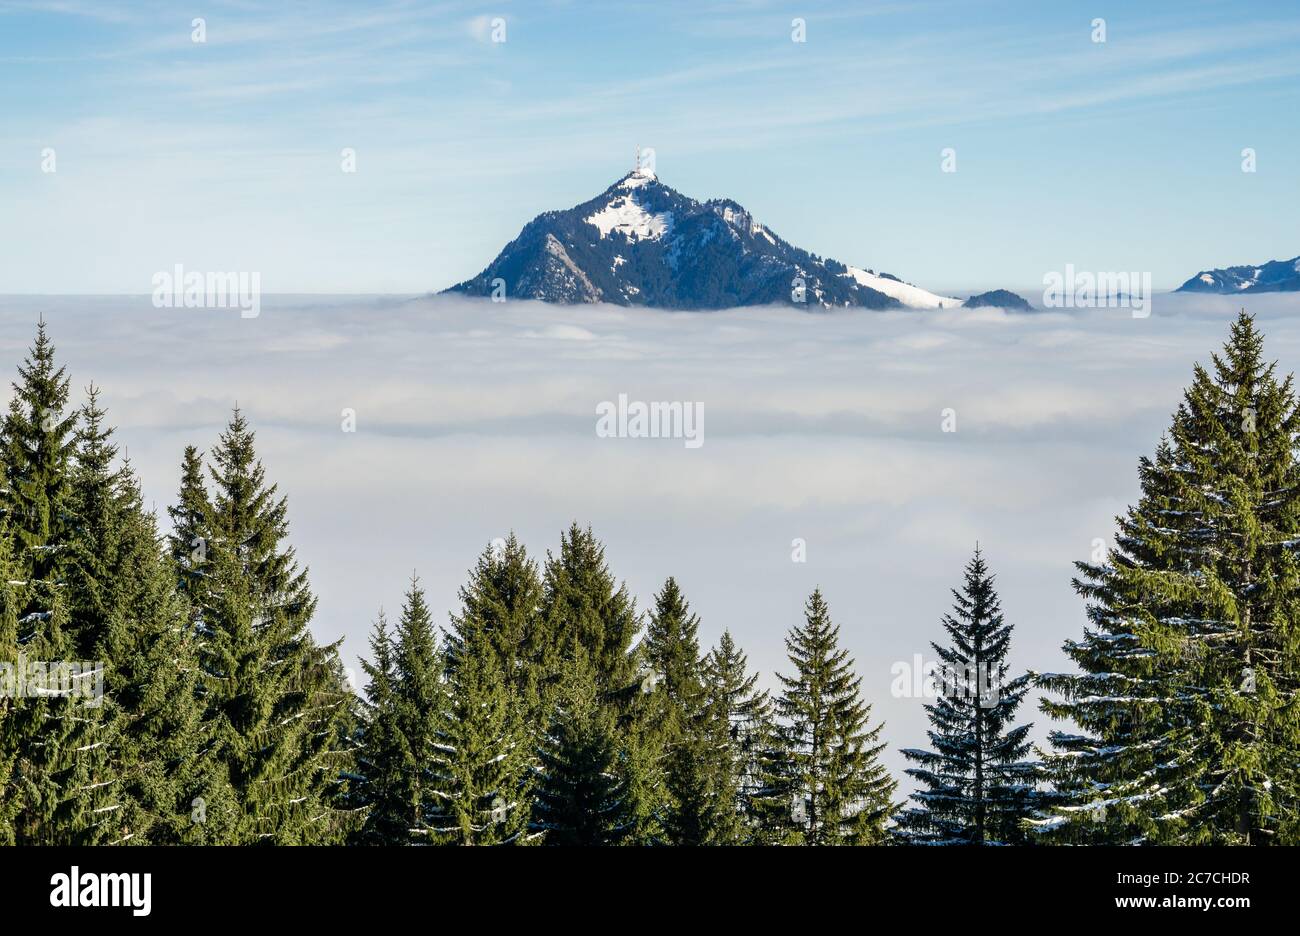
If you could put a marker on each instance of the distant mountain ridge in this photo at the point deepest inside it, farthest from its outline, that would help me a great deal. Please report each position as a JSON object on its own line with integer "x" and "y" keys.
{"x": 1274, "y": 276}
{"x": 642, "y": 243}
{"x": 999, "y": 298}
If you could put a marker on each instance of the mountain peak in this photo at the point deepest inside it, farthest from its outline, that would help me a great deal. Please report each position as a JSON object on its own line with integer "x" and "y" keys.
{"x": 641, "y": 242}
{"x": 637, "y": 178}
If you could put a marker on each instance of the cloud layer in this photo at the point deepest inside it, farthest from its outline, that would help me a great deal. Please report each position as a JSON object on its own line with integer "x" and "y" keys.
{"x": 476, "y": 418}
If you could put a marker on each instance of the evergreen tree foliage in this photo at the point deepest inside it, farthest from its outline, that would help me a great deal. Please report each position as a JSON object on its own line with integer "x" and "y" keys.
{"x": 191, "y": 530}
{"x": 672, "y": 652}
{"x": 58, "y": 749}
{"x": 97, "y": 533}
{"x": 686, "y": 729}
{"x": 384, "y": 759}
{"x": 12, "y": 717}
{"x": 35, "y": 454}
{"x": 63, "y": 785}
{"x": 823, "y": 783}
{"x": 421, "y": 700}
{"x": 484, "y": 757}
{"x": 489, "y": 730}
{"x": 976, "y": 787}
{"x": 743, "y": 714}
{"x": 8, "y": 693}
{"x": 500, "y": 610}
{"x": 126, "y": 612}
{"x": 274, "y": 696}
{"x": 639, "y": 767}
{"x": 1186, "y": 695}
{"x": 9, "y": 728}
{"x": 587, "y": 613}
{"x": 582, "y": 797}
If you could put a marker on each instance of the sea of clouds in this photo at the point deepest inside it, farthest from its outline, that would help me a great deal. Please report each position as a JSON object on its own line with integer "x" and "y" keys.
{"x": 476, "y": 418}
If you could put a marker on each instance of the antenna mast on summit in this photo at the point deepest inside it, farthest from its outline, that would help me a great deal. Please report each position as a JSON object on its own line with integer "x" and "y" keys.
{"x": 636, "y": 169}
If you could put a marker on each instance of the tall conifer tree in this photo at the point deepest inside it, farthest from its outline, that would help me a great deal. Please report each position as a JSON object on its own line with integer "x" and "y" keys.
{"x": 487, "y": 745}
{"x": 421, "y": 702}
{"x": 125, "y": 612}
{"x": 38, "y": 442}
{"x": 272, "y": 693}
{"x": 588, "y": 615}
{"x": 977, "y": 787}
{"x": 825, "y": 784}
{"x": 191, "y": 532}
{"x": 586, "y": 612}
{"x": 384, "y": 758}
{"x": 500, "y": 609}
{"x": 60, "y": 749}
{"x": 744, "y": 716}
{"x": 1189, "y": 671}
{"x": 685, "y": 729}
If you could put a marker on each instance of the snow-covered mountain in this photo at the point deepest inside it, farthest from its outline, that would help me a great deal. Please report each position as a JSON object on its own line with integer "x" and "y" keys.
{"x": 1274, "y": 276}
{"x": 642, "y": 243}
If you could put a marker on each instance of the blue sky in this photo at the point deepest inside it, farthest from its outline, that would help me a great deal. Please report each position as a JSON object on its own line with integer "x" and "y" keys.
{"x": 225, "y": 155}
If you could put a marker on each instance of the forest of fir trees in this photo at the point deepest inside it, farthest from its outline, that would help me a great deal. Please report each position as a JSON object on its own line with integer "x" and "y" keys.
{"x": 550, "y": 710}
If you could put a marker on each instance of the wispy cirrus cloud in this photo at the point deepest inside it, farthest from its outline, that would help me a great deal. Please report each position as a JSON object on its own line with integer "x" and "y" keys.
{"x": 833, "y": 142}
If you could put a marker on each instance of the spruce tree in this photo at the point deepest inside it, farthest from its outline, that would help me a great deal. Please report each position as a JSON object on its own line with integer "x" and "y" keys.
{"x": 586, "y": 612}
{"x": 156, "y": 678}
{"x": 38, "y": 442}
{"x": 500, "y": 610}
{"x": 672, "y": 652}
{"x": 1189, "y": 670}
{"x": 685, "y": 730}
{"x": 96, "y": 535}
{"x": 125, "y": 611}
{"x": 495, "y": 669}
{"x": 421, "y": 700}
{"x": 59, "y": 749}
{"x": 743, "y": 714}
{"x": 384, "y": 758}
{"x": 587, "y": 615}
{"x": 824, "y": 784}
{"x": 976, "y": 787}
{"x": 273, "y": 695}
{"x": 191, "y": 529}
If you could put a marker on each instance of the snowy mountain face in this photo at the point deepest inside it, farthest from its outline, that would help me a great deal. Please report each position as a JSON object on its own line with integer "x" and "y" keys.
{"x": 913, "y": 297}
{"x": 1274, "y": 276}
{"x": 642, "y": 243}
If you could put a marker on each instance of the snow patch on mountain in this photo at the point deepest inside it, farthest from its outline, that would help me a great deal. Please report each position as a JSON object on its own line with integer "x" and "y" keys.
{"x": 637, "y": 179}
{"x": 627, "y": 216}
{"x": 914, "y": 297}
